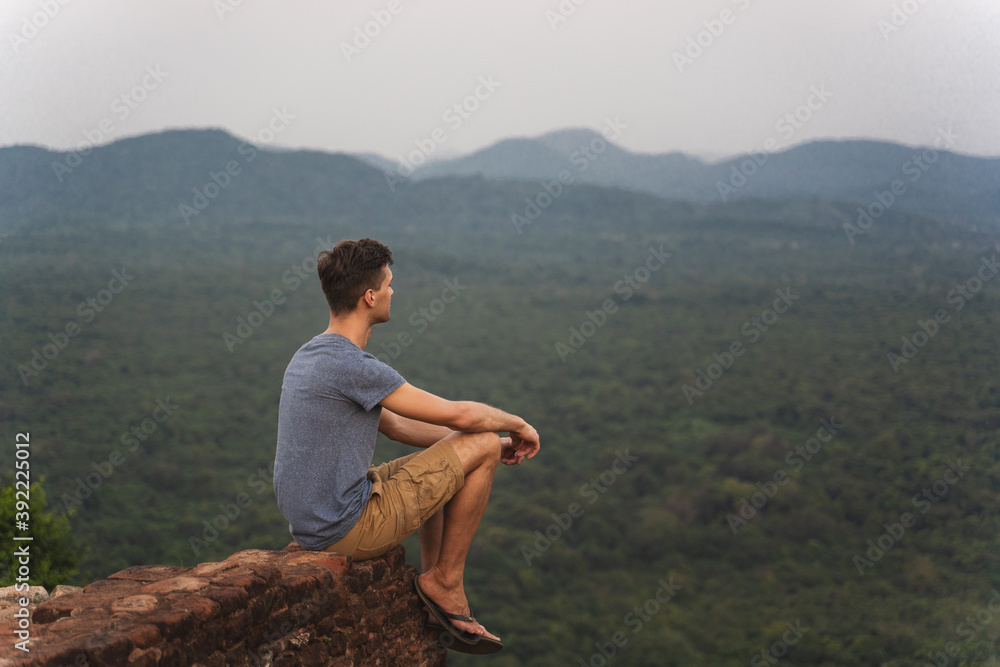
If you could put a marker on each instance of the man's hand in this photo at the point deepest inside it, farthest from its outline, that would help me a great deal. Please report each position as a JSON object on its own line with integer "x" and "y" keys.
{"x": 523, "y": 444}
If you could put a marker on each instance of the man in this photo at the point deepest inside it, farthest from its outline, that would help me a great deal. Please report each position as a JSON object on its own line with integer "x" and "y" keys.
{"x": 335, "y": 398}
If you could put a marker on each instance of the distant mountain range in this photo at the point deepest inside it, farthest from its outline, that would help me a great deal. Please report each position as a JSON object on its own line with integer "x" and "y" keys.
{"x": 192, "y": 175}
{"x": 931, "y": 181}
{"x": 186, "y": 175}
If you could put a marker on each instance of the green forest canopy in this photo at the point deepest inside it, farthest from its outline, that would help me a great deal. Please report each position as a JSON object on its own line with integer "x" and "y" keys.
{"x": 813, "y": 488}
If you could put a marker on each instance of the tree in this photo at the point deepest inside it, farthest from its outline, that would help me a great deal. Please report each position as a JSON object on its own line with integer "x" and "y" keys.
{"x": 53, "y": 556}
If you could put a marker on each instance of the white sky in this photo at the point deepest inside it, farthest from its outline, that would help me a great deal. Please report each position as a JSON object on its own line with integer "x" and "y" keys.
{"x": 231, "y": 69}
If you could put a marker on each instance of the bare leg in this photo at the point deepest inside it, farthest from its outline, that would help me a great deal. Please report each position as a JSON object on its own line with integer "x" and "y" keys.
{"x": 430, "y": 541}
{"x": 443, "y": 581}
{"x": 430, "y": 545}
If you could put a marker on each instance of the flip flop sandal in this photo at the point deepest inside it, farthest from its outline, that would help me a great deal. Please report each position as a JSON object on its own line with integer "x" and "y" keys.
{"x": 453, "y": 638}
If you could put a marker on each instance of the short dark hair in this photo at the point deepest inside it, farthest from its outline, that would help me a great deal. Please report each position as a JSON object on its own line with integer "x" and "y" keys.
{"x": 349, "y": 270}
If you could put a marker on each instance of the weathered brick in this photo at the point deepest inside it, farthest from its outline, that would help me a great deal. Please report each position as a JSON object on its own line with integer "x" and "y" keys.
{"x": 229, "y": 598}
{"x": 254, "y": 557}
{"x": 216, "y": 659}
{"x": 148, "y": 573}
{"x": 144, "y": 657}
{"x": 212, "y": 569}
{"x": 377, "y": 618}
{"x": 110, "y": 649}
{"x": 174, "y": 585}
{"x": 237, "y": 654}
{"x": 205, "y": 641}
{"x": 46, "y": 654}
{"x": 136, "y": 604}
{"x": 281, "y": 622}
{"x": 337, "y": 564}
{"x": 345, "y": 617}
{"x": 396, "y": 560}
{"x": 143, "y": 636}
{"x": 295, "y": 586}
{"x": 111, "y": 588}
{"x": 371, "y": 598}
{"x": 72, "y": 626}
{"x": 316, "y": 655}
{"x": 204, "y": 609}
{"x": 380, "y": 569}
{"x": 172, "y": 623}
{"x": 361, "y": 577}
{"x": 289, "y": 607}
{"x": 238, "y": 624}
{"x": 269, "y": 573}
{"x": 243, "y": 579}
{"x": 260, "y": 607}
{"x": 53, "y": 610}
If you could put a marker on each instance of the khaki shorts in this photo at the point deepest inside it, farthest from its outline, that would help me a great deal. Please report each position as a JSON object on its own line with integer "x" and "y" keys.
{"x": 406, "y": 492}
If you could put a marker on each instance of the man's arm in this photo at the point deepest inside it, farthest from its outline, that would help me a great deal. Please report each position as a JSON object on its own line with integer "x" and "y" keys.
{"x": 410, "y": 431}
{"x": 465, "y": 416}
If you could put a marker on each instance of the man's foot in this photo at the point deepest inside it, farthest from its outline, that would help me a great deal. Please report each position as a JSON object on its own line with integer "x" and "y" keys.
{"x": 451, "y": 600}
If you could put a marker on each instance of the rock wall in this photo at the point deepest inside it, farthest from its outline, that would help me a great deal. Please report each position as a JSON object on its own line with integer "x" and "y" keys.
{"x": 276, "y": 608}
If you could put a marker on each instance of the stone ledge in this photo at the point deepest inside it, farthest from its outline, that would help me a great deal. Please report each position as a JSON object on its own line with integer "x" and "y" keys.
{"x": 288, "y": 607}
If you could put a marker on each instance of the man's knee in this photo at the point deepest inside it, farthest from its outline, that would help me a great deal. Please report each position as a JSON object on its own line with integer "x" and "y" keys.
{"x": 476, "y": 449}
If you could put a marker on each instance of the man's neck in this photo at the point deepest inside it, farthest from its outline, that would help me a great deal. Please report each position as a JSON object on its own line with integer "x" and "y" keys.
{"x": 355, "y": 329}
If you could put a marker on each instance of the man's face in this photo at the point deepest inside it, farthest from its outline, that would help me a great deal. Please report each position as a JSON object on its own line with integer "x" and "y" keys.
{"x": 383, "y": 297}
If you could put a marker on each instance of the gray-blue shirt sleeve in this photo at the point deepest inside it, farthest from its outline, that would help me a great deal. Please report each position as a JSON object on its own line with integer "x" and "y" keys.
{"x": 369, "y": 381}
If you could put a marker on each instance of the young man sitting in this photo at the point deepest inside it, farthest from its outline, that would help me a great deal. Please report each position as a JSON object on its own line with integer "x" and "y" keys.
{"x": 336, "y": 397}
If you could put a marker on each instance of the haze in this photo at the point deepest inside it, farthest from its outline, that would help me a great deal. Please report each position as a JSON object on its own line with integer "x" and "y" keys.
{"x": 711, "y": 79}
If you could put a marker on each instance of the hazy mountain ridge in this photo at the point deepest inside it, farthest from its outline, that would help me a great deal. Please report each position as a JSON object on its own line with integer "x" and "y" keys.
{"x": 936, "y": 182}
{"x": 189, "y": 175}
{"x": 182, "y": 175}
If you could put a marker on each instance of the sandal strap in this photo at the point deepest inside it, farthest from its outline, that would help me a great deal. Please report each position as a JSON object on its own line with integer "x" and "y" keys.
{"x": 459, "y": 617}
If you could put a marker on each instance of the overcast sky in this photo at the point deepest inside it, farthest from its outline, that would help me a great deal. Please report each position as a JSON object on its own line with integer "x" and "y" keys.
{"x": 708, "y": 77}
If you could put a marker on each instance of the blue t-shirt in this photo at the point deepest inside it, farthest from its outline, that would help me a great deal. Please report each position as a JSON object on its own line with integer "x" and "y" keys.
{"x": 327, "y": 426}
